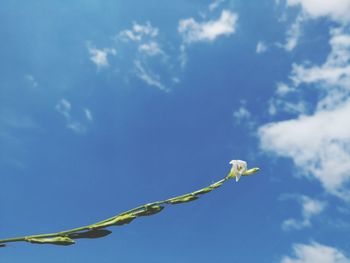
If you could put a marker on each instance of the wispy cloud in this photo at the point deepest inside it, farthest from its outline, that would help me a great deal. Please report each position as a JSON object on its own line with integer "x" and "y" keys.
{"x": 315, "y": 253}
{"x": 334, "y": 72}
{"x": 260, "y": 47}
{"x": 76, "y": 127}
{"x": 88, "y": 114}
{"x": 145, "y": 55}
{"x": 215, "y": 4}
{"x": 207, "y": 31}
{"x": 192, "y": 31}
{"x": 279, "y": 105}
{"x": 293, "y": 34}
{"x": 151, "y": 48}
{"x": 320, "y": 142}
{"x": 241, "y": 114}
{"x": 244, "y": 119}
{"x": 31, "y": 80}
{"x": 286, "y": 99}
{"x": 148, "y": 77}
{"x": 139, "y": 32}
{"x": 336, "y": 10}
{"x": 309, "y": 209}
{"x": 64, "y": 107}
{"x": 100, "y": 56}
{"x": 283, "y": 89}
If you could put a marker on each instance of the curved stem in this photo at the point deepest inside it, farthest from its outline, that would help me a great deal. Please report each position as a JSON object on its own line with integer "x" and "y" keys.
{"x": 129, "y": 212}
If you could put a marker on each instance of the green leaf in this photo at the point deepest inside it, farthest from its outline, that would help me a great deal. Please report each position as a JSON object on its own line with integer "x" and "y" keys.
{"x": 251, "y": 171}
{"x": 149, "y": 210}
{"x": 203, "y": 191}
{"x": 123, "y": 219}
{"x": 97, "y": 230}
{"x": 116, "y": 221}
{"x": 63, "y": 241}
{"x": 218, "y": 184}
{"x": 180, "y": 200}
{"x": 95, "y": 233}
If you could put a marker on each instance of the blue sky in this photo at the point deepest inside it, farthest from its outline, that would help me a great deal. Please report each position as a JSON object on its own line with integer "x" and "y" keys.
{"x": 105, "y": 106}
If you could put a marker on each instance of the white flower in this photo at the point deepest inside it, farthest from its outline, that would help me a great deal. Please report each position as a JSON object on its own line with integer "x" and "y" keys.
{"x": 238, "y": 168}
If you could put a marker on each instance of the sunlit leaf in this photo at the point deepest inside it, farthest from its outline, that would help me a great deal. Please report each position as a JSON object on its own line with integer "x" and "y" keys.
{"x": 150, "y": 210}
{"x": 180, "y": 200}
{"x": 251, "y": 171}
{"x": 218, "y": 184}
{"x": 117, "y": 221}
{"x": 203, "y": 191}
{"x": 63, "y": 241}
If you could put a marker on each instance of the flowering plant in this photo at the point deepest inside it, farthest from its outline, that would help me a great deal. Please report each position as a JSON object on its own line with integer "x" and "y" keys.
{"x": 98, "y": 229}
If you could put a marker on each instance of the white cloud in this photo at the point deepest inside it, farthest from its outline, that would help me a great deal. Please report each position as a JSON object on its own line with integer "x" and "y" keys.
{"x": 146, "y": 55}
{"x": 193, "y": 31}
{"x": 293, "y": 34}
{"x": 283, "y": 89}
{"x": 215, "y": 4}
{"x": 310, "y": 208}
{"x": 260, "y": 47}
{"x": 176, "y": 80}
{"x": 88, "y": 114}
{"x": 335, "y": 72}
{"x": 151, "y": 49}
{"x": 76, "y": 127}
{"x": 100, "y": 56}
{"x": 144, "y": 36}
{"x": 279, "y": 102}
{"x": 332, "y": 78}
{"x": 64, "y": 107}
{"x": 139, "y": 32}
{"x": 242, "y": 114}
{"x": 148, "y": 77}
{"x": 337, "y": 10}
{"x": 277, "y": 105}
{"x": 183, "y": 56}
{"x": 243, "y": 118}
{"x": 315, "y": 253}
{"x": 320, "y": 143}
{"x": 31, "y": 80}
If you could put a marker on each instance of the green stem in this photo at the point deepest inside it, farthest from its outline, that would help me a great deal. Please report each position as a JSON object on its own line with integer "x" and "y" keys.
{"x": 136, "y": 209}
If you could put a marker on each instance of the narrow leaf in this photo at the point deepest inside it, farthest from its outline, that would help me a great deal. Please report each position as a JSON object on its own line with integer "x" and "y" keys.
{"x": 203, "y": 191}
{"x": 217, "y": 184}
{"x": 251, "y": 171}
{"x": 97, "y": 230}
{"x": 149, "y": 210}
{"x": 180, "y": 200}
{"x": 95, "y": 233}
{"x": 63, "y": 241}
{"x": 117, "y": 221}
